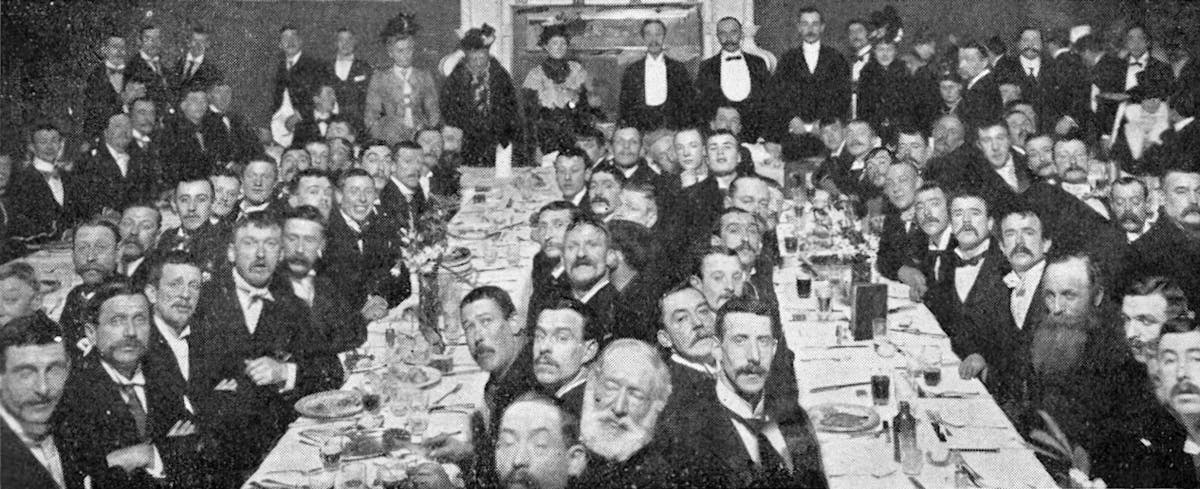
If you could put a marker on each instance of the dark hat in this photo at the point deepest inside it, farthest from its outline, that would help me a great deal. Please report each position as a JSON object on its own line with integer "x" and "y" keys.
{"x": 400, "y": 27}
{"x": 550, "y": 31}
{"x": 802, "y": 147}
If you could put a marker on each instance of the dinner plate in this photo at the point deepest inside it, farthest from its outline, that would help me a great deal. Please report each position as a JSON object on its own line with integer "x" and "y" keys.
{"x": 836, "y": 417}
{"x": 405, "y": 373}
{"x": 330, "y": 404}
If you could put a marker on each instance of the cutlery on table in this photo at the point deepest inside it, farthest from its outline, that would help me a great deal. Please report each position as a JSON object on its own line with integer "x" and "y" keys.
{"x": 838, "y": 386}
{"x": 457, "y": 387}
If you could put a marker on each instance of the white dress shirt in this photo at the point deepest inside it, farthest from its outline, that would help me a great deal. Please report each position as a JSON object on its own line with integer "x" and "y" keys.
{"x": 729, "y": 398}
{"x": 580, "y": 377}
{"x": 860, "y": 61}
{"x": 1031, "y": 67}
{"x": 122, "y": 160}
{"x": 656, "y": 80}
{"x": 53, "y": 179}
{"x": 965, "y": 276}
{"x": 812, "y": 54}
{"x": 191, "y": 65}
{"x": 587, "y": 296}
{"x": 1009, "y": 173}
{"x": 1024, "y": 287}
{"x": 177, "y": 342}
{"x": 44, "y": 450}
{"x": 978, "y": 77}
{"x": 1182, "y": 123}
{"x": 341, "y": 67}
{"x": 1134, "y": 66}
{"x": 251, "y": 299}
{"x": 940, "y": 245}
{"x": 697, "y": 366}
{"x": 152, "y": 62}
{"x": 735, "y": 76}
{"x": 305, "y": 287}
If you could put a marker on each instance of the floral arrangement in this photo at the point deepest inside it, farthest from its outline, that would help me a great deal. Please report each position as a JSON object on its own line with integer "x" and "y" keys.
{"x": 424, "y": 242}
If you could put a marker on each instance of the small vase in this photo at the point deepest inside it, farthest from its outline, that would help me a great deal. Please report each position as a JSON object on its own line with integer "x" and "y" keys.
{"x": 429, "y": 308}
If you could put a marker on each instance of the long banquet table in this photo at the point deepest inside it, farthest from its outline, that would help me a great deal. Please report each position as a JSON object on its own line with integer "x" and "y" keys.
{"x": 991, "y": 446}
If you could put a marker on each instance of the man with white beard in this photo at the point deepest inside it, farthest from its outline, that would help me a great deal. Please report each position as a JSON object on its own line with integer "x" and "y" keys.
{"x": 626, "y": 391}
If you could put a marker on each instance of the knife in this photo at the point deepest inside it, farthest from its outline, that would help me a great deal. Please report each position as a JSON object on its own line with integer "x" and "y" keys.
{"x": 916, "y": 482}
{"x": 838, "y": 386}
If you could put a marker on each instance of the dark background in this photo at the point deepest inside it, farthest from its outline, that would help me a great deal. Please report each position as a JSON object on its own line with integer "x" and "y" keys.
{"x": 47, "y": 47}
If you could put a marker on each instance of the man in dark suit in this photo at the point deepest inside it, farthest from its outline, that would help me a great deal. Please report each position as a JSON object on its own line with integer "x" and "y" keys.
{"x": 931, "y": 241}
{"x": 139, "y": 226}
{"x": 1115, "y": 76}
{"x": 901, "y": 234}
{"x": 534, "y": 420}
{"x": 239, "y": 142}
{"x": 812, "y": 82}
{"x": 686, "y": 329}
{"x": 981, "y": 92}
{"x": 123, "y": 425}
{"x": 480, "y": 99}
{"x": 191, "y": 145}
{"x": 257, "y": 349}
{"x": 565, "y": 340}
{"x": 1165, "y": 463}
{"x": 297, "y": 76}
{"x": 147, "y": 146}
{"x": 1053, "y": 87}
{"x": 1025, "y": 244}
{"x": 755, "y": 447}
{"x": 113, "y": 177}
{"x": 1182, "y": 140}
{"x": 656, "y": 91}
{"x": 149, "y": 66}
{"x": 587, "y": 256}
{"x": 499, "y": 346}
{"x": 548, "y": 277}
{"x": 313, "y": 126}
{"x": 1175, "y": 239}
{"x": 105, "y": 84}
{"x": 734, "y": 78}
{"x": 44, "y": 200}
{"x": 847, "y": 173}
{"x": 404, "y": 197}
{"x": 33, "y": 456}
{"x": 342, "y": 328}
{"x": 94, "y": 252}
{"x": 636, "y": 272}
{"x": 362, "y": 248}
{"x": 196, "y": 234}
{"x": 173, "y": 288}
{"x": 194, "y": 70}
{"x": 351, "y": 75}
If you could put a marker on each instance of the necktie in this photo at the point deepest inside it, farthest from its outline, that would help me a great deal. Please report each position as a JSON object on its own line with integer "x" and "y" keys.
{"x": 200, "y": 139}
{"x": 960, "y": 262}
{"x": 136, "y": 409}
{"x": 733, "y": 58}
{"x": 187, "y": 71}
{"x": 418, "y": 200}
{"x": 769, "y": 459}
{"x": 1137, "y": 64}
{"x": 115, "y": 71}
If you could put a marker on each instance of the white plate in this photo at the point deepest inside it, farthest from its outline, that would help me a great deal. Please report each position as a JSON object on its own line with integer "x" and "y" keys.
{"x": 868, "y": 418}
{"x": 330, "y": 404}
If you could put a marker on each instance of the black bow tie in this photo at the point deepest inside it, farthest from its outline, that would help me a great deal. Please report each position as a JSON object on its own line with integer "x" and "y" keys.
{"x": 116, "y": 71}
{"x": 733, "y": 58}
{"x": 960, "y": 262}
{"x": 1135, "y": 63}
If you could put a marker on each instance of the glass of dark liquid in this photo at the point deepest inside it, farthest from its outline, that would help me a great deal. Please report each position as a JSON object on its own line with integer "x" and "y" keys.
{"x": 933, "y": 375}
{"x": 791, "y": 243}
{"x": 881, "y": 388}
{"x": 803, "y": 286}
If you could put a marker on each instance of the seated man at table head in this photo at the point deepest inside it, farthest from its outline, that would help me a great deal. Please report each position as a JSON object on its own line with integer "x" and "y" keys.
{"x": 756, "y": 446}
{"x": 119, "y": 419}
{"x": 932, "y": 216}
{"x": 312, "y": 188}
{"x": 538, "y": 445}
{"x": 605, "y": 184}
{"x": 341, "y": 327}
{"x": 34, "y": 367}
{"x": 94, "y": 252}
{"x": 571, "y": 174}
{"x": 19, "y": 296}
{"x": 565, "y": 340}
{"x": 499, "y": 346}
{"x": 589, "y": 258}
{"x": 1025, "y": 246}
{"x": 139, "y": 226}
{"x": 1148, "y": 303}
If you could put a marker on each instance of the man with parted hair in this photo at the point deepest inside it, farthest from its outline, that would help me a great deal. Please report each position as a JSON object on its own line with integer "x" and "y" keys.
{"x": 1147, "y": 305}
{"x": 548, "y": 277}
{"x": 571, "y": 175}
{"x": 19, "y": 296}
{"x": 361, "y": 248}
{"x": 589, "y": 258}
{"x": 1174, "y": 240}
{"x": 195, "y": 68}
{"x": 565, "y": 340}
{"x": 343, "y": 328}
{"x": 139, "y": 226}
{"x": 981, "y": 94}
{"x": 734, "y": 77}
{"x": 812, "y": 82}
{"x": 1130, "y": 203}
{"x": 94, "y": 252}
{"x": 656, "y": 91}
{"x": 756, "y": 446}
{"x": 538, "y": 445}
{"x": 1167, "y": 460}
{"x": 686, "y": 328}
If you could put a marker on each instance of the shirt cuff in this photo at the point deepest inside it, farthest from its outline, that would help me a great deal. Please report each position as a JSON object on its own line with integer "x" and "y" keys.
{"x": 156, "y": 468}
{"x": 289, "y": 382}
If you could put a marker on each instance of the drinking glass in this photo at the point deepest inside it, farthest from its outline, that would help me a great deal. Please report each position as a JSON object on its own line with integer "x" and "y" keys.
{"x": 418, "y": 413}
{"x": 803, "y": 284}
{"x": 331, "y": 452}
{"x": 514, "y": 255}
{"x": 931, "y": 362}
{"x": 490, "y": 255}
{"x": 352, "y": 475}
{"x": 823, "y": 290}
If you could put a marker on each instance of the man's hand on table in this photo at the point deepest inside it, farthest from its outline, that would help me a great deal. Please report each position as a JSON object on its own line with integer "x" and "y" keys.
{"x": 267, "y": 371}
{"x": 915, "y": 280}
{"x": 447, "y": 448}
{"x": 973, "y": 366}
{"x": 375, "y": 308}
{"x": 430, "y": 475}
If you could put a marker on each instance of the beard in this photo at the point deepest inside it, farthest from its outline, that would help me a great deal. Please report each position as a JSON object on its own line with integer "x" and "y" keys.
{"x": 1059, "y": 341}
{"x": 614, "y": 438}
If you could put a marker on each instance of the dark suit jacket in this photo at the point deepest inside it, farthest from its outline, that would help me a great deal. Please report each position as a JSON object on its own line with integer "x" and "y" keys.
{"x": 710, "y": 428}
{"x": 634, "y": 314}
{"x": 352, "y": 92}
{"x": 361, "y": 273}
{"x": 676, "y": 112}
{"x": 185, "y": 157}
{"x": 394, "y": 205}
{"x": 896, "y": 243}
{"x": 1059, "y": 89}
{"x": 32, "y": 211}
{"x": 1109, "y": 75}
{"x": 604, "y": 304}
{"x": 99, "y": 101}
{"x": 499, "y": 122}
{"x": 253, "y": 416}
{"x": 94, "y": 421}
{"x": 237, "y": 141}
{"x": 342, "y": 327}
{"x": 545, "y": 287}
{"x": 688, "y": 387}
{"x": 72, "y": 320}
{"x": 886, "y": 96}
{"x": 810, "y": 95}
{"x": 204, "y": 77}
{"x": 106, "y": 188}
{"x": 22, "y": 469}
{"x": 301, "y": 82}
{"x": 308, "y": 129}
{"x": 699, "y": 207}
{"x": 160, "y": 86}
{"x": 981, "y": 103}
{"x": 160, "y": 363}
{"x": 207, "y": 244}
{"x": 752, "y": 108}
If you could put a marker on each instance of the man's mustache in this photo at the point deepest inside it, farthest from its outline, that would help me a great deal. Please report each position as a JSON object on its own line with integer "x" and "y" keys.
{"x": 545, "y": 359}
{"x": 751, "y": 369}
{"x": 1191, "y": 209}
{"x": 1020, "y": 249}
{"x": 520, "y": 477}
{"x": 1185, "y": 387}
{"x": 129, "y": 342}
{"x": 583, "y": 262}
